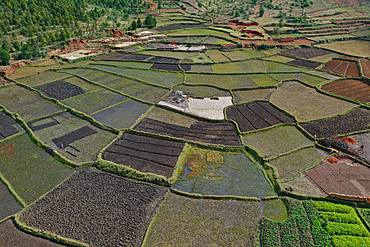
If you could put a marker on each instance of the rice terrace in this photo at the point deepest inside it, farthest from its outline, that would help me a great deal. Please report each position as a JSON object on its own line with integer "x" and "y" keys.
{"x": 185, "y": 123}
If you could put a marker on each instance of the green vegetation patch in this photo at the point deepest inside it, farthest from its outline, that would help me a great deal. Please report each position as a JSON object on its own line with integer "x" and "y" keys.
{"x": 160, "y": 78}
{"x": 323, "y": 74}
{"x": 30, "y": 170}
{"x": 199, "y": 58}
{"x": 199, "y": 31}
{"x": 201, "y": 91}
{"x": 235, "y": 175}
{"x": 27, "y": 71}
{"x": 170, "y": 117}
{"x": 294, "y": 163}
{"x": 284, "y": 76}
{"x": 94, "y": 101}
{"x": 237, "y": 55}
{"x": 27, "y": 104}
{"x": 263, "y": 80}
{"x": 123, "y": 115}
{"x": 311, "y": 80}
{"x": 222, "y": 81}
{"x": 358, "y": 47}
{"x": 42, "y": 78}
{"x": 343, "y": 224}
{"x": 75, "y": 64}
{"x": 203, "y": 222}
{"x": 81, "y": 150}
{"x": 306, "y": 103}
{"x": 202, "y": 68}
{"x": 279, "y": 58}
{"x": 252, "y": 95}
{"x": 275, "y": 210}
{"x": 274, "y": 67}
{"x": 217, "y": 56}
{"x": 302, "y": 228}
{"x": 8, "y": 204}
{"x": 87, "y": 87}
{"x": 226, "y": 68}
{"x": 251, "y": 66}
{"x": 134, "y": 65}
{"x": 279, "y": 140}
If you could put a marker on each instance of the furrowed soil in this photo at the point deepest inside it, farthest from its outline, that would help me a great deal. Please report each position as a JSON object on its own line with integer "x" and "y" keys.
{"x": 97, "y": 208}
{"x": 353, "y": 89}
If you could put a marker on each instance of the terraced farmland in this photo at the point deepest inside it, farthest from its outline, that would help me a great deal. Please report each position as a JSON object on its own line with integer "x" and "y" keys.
{"x": 353, "y": 89}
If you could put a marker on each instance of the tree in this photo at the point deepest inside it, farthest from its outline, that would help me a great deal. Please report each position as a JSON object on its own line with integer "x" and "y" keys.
{"x": 262, "y": 11}
{"x": 133, "y": 25}
{"x": 150, "y": 21}
{"x": 139, "y": 24}
{"x": 4, "y": 57}
{"x": 276, "y": 31}
{"x": 237, "y": 13}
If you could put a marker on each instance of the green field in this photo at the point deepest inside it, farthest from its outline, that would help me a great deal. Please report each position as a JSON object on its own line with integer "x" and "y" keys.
{"x": 42, "y": 78}
{"x": 221, "y": 81}
{"x": 306, "y": 103}
{"x": 30, "y": 170}
{"x": 123, "y": 115}
{"x": 170, "y": 117}
{"x": 275, "y": 141}
{"x": 27, "y": 104}
{"x": 252, "y": 95}
{"x": 217, "y": 56}
{"x": 229, "y": 174}
{"x": 291, "y": 165}
{"x": 201, "y": 91}
{"x": 133, "y": 65}
{"x": 95, "y": 101}
{"x": 82, "y": 150}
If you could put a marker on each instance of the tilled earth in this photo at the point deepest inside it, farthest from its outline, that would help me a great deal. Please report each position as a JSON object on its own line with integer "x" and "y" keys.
{"x": 306, "y": 53}
{"x": 11, "y": 236}
{"x": 257, "y": 115}
{"x": 7, "y": 126}
{"x": 354, "y": 89}
{"x": 97, "y": 208}
{"x": 145, "y": 154}
{"x": 356, "y": 120}
{"x": 201, "y": 131}
{"x": 307, "y": 64}
{"x": 60, "y": 90}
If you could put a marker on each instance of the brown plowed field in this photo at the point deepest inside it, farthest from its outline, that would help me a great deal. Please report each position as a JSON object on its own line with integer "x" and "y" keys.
{"x": 305, "y": 53}
{"x": 11, "y": 236}
{"x": 145, "y": 154}
{"x": 97, "y": 208}
{"x": 347, "y": 2}
{"x": 345, "y": 177}
{"x": 342, "y": 67}
{"x": 200, "y": 131}
{"x": 7, "y": 126}
{"x": 365, "y": 64}
{"x": 356, "y": 120}
{"x": 256, "y": 115}
{"x": 353, "y": 89}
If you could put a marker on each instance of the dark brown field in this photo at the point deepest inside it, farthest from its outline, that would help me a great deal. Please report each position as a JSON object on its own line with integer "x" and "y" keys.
{"x": 97, "y": 208}
{"x": 200, "y": 131}
{"x": 305, "y": 53}
{"x": 342, "y": 67}
{"x": 353, "y": 89}
{"x": 145, "y": 154}
{"x": 257, "y": 115}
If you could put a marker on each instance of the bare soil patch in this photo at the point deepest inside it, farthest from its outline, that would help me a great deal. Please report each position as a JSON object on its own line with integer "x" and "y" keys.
{"x": 353, "y": 89}
{"x": 145, "y": 154}
{"x": 201, "y": 131}
{"x": 60, "y": 90}
{"x": 307, "y": 64}
{"x": 11, "y": 236}
{"x": 7, "y": 126}
{"x": 356, "y": 120}
{"x": 305, "y": 53}
{"x": 97, "y": 208}
{"x": 344, "y": 177}
{"x": 342, "y": 67}
{"x": 257, "y": 115}
{"x": 123, "y": 56}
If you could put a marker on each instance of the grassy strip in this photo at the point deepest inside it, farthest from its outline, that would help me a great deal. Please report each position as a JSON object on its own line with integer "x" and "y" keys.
{"x": 12, "y": 191}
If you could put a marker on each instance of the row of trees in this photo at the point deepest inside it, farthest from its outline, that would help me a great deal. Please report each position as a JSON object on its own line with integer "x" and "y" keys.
{"x": 149, "y": 22}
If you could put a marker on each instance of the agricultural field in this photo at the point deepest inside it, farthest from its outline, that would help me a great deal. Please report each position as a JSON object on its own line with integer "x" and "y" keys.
{"x": 209, "y": 172}
{"x": 257, "y": 115}
{"x": 199, "y": 132}
{"x": 358, "y": 48}
{"x": 15, "y": 98}
{"x": 353, "y": 89}
{"x": 210, "y": 221}
{"x": 305, "y": 103}
{"x": 276, "y": 141}
{"x": 357, "y": 119}
{"x": 30, "y": 170}
{"x": 101, "y": 201}
{"x": 145, "y": 154}
{"x": 71, "y": 136}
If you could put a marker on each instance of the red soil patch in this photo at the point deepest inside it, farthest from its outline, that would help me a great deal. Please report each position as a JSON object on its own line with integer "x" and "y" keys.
{"x": 349, "y": 140}
{"x": 256, "y": 13}
{"x": 11, "y": 69}
{"x": 347, "y": 2}
{"x": 350, "y": 58}
{"x": 346, "y": 68}
{"x": 297, "y": 42}
{"x": 333, "y": 160}
{"x": 252, "y": 33}
{"x": 353, "y": 89}
{"x": 365, "y": 65}
{"x": 6, "y": 149}
{"x": 345, "y": 177}
{"x": 241, "y": 25}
